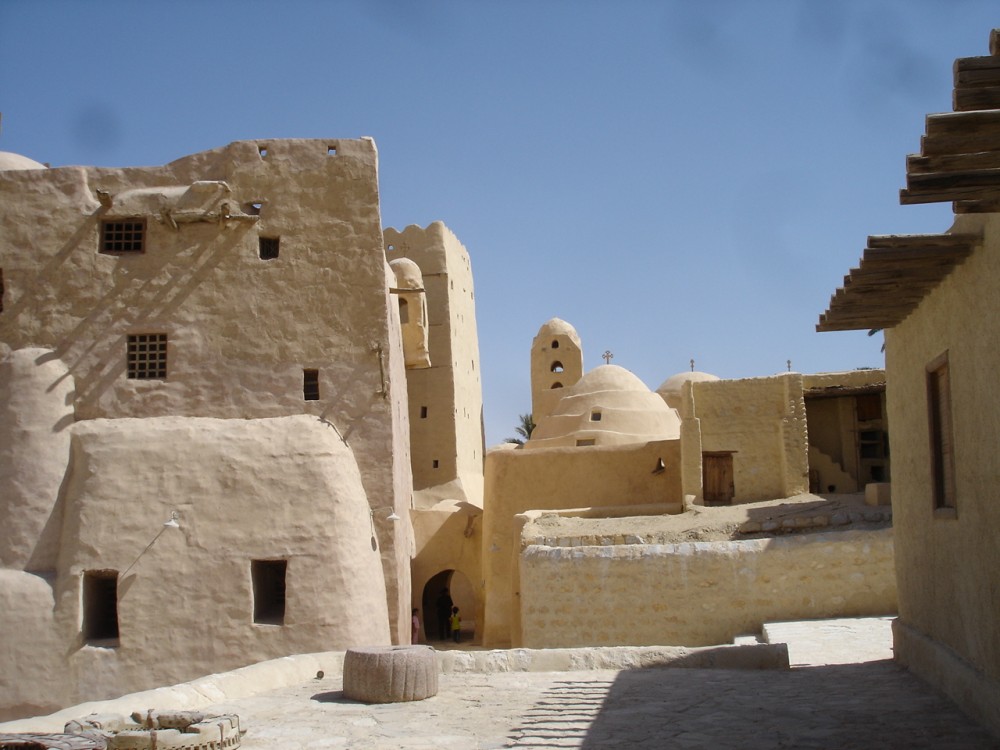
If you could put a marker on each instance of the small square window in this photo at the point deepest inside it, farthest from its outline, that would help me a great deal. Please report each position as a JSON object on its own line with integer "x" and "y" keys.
{"x": 331, "y": 150}
{"x": 253, "y": 208}
{"x": 123, "y": 236}
{"x": 262, "y": 150}
{"x": 100, "y": 605}
{"x": 595, "y": 416}
{"x": 310, "y": 385}
{"x": 268, "y": 578}
{"x": 268, "y": 249}
{"x": 435, "y": 463}
{"x": 146, "y": 356}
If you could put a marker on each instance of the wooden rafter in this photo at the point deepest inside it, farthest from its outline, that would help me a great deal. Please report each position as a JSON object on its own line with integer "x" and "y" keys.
{"x": 959, "y": 159}
{"x": 895, "y": 273}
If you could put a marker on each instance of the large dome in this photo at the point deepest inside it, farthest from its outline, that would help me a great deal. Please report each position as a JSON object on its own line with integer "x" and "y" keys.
{"x": 607, "y": 406}
{"x": 672, "y": 387}
{"x": 10, "y": 162}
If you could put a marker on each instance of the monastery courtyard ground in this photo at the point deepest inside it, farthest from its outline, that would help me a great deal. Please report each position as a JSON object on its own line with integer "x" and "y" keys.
{"x": 843, "y": 691}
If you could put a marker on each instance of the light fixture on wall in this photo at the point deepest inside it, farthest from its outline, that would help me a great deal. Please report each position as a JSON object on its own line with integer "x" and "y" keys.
{"x": 371, "y": 518}
{"x": 170, "y": 523}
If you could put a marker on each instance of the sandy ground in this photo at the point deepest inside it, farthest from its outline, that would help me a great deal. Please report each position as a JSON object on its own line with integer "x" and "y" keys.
{"x": 707, "y": 524}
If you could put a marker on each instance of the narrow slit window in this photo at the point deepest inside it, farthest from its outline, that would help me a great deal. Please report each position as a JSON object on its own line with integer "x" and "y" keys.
{"x": 146, "y": 356}
{"x": 100, "y": 606}
{"x": 310, "y": 385}
{"x": 123, "y": 236}
{"x": 268, "y": 247}
{"x": 940, "y": 427}
{"x": 555, "y": 344}
{"x": 1, "y": 290}
{"x": 268, "y": 577}
{"x": 583, "y": 442}
{"x": 435, "y": 463}
{"x": 404, "y": 311}
{"x": 423, "y": 412}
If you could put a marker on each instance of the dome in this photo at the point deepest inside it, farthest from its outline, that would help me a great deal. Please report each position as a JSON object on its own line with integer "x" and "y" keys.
{"x": 672, "y": 387}
{"x": 607, "y": 406}
{"x": 408, "y": 274}
{"x": 10, "y": 162}
{"x": 558, "y": 327}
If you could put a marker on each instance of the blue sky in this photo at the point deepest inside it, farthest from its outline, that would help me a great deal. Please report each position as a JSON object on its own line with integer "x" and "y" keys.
{"x": 678, "y": 180}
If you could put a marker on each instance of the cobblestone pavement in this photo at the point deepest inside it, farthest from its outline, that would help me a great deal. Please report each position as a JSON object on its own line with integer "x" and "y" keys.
{"x": 867, "y": 705}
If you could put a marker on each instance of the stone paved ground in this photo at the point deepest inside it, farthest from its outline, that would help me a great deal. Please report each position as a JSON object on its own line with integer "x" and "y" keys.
{"x": 867, "y": 704}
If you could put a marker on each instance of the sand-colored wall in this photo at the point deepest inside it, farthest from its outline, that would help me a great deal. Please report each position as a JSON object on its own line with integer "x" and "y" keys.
{"x": 948, "y": 563}
{"x": 446, "y": 399}
{"x": 552, "y": 479}
{"x": 763, "y": 422}
{"x": 241, "y": 329}
{"x": 699, "y": 593}
{"x": 262, "y": 489}
{"x": 36, "y": 412}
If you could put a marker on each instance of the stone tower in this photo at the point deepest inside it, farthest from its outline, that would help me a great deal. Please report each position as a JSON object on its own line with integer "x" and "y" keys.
{"x": 556, "y": 362}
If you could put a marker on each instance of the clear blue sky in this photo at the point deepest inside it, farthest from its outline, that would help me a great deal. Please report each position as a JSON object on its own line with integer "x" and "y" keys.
{"x": 676, "y": 179}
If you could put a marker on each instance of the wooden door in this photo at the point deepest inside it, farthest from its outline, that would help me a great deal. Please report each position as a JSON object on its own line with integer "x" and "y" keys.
{"x": 717, "y": 478}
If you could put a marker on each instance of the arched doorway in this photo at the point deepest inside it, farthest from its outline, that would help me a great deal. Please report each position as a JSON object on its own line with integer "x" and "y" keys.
{"x": 462, "y": 596}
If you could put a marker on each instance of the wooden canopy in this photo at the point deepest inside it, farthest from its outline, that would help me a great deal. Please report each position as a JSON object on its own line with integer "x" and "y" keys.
{"x": 896, "y": 272}
{"x": 959, "y": 161}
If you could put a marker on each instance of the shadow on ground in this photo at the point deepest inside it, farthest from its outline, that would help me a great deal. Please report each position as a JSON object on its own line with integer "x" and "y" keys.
{"x": 870, "y": 705}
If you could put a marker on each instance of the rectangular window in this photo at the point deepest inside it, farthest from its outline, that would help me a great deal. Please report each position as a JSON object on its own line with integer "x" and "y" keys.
{"x": 146, "y": 356}
{"x": 942, "y": 442}
{"x": 423, "y": 412}
{"x": 310, "y": 385}
{"x": 100, "y": 605}
{"x": 268, "y": 249}
{"x": 123, "y": 235}
{"x": 1, "y": 290}
{"x": 268, "y": 577}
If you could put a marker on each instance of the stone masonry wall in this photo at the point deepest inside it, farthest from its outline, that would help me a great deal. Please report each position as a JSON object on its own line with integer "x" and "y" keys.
{"x": 700, "y": 593}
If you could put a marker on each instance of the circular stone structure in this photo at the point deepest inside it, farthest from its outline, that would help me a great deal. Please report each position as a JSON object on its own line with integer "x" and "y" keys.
{"x": 390, "y": 674}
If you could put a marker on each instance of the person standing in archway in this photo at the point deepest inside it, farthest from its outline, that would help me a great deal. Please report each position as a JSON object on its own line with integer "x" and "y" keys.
{"x": 443, "y": 607}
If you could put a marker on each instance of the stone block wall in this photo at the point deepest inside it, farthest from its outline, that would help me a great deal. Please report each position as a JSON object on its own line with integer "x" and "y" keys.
{"x": 700, "y": 593}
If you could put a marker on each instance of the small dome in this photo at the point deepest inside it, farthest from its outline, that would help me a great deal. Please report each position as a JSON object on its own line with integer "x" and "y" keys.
{"x": 671, "y": 388}
{"x": 11, "y": 162}
{"x": 408, "y": 274}
{"x": 607, "y": 406}
{"x": 558, "y": 327}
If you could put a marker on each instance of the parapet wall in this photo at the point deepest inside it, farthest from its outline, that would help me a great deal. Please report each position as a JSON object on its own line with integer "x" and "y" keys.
{"x": 700, "y": 593}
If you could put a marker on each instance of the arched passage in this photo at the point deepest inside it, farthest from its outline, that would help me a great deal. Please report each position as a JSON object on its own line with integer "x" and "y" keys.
{"x": 462, "y": 596}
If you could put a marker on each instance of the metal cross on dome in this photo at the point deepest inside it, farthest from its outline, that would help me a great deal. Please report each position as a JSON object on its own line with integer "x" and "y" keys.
{"x": 608, "y": 356}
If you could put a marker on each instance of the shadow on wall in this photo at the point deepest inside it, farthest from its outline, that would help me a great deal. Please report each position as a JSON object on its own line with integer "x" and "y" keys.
{"x": 433, "y": 612}
{"x": 651, "y": 708}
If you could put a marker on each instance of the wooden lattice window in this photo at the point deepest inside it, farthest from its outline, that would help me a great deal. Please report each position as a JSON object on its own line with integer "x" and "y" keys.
{"x": 100, "y": 605}
{"x": 940, "y": 427}
{"x": 146, "y": 356}
{"x": 268, "y": 247}
{"x": 123, "y": 235}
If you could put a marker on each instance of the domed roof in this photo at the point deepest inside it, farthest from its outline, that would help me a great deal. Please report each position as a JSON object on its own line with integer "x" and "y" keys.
{"x": 11, "y": 161}
{"x": 675, "y": 383}
{"x": 407, "y": 272}
{"x": 607, "y": 406}
{"x": 558, "y": 327}
{"x": 671, "y": 388}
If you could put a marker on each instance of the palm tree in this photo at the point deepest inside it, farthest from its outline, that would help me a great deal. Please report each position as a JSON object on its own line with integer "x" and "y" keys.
{"x": 524, "y": 429}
